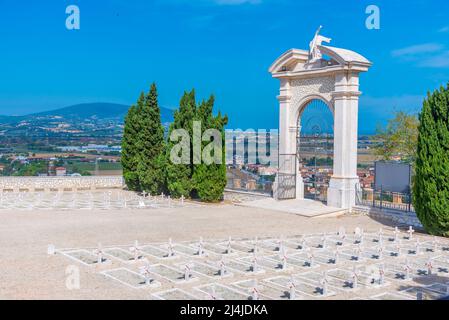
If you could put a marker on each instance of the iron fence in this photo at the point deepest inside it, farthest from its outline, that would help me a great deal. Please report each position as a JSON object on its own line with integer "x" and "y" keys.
{"x": 385, "y": 200}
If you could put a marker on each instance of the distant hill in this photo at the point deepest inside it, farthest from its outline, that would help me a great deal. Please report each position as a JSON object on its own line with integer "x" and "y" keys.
{"x": 85, "y": 111}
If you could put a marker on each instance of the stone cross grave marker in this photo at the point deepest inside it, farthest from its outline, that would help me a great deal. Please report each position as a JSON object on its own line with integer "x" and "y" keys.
{"x": 408, "y": 270}
{"x": 171, "y": 253}
{"x": 145, "y": 271}
{"x": 323, "y": 283}
{"x": 336, "y": 255}
{"x": 429, "y": 266}
{"x": 229, "y": 246}
{"x": 355, "y": 278}
{"x": 99, "y": 253}
{"x": 396, "y": 234}
{"x": 410, "y": 232}
{"x": 187, "y": 271}
{"x": 135, "y": 250}
{"x": 292, "y": 289}
{"x": 223, "y": 270}
{"x": 310, "y": 257}
{"x": 255, "y": 265}
{"x": 51, "y": 249}
{"x": 201, "y": 247}
{"x": 284, "y": 259}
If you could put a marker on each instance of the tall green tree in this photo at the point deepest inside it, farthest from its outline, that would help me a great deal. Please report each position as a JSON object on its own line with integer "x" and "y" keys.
{"x": 210, "y": 178}
{"x": 130, "y": 150}
{"x": 151, "y": 145}
{"x": 431, "y": 183}
{"x": 399, "y": 138}
{"x": 179, "y": 175}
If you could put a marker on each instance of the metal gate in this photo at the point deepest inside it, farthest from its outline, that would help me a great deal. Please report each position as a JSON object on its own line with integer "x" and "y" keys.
{"x": 286, "y": 178}
{"x": 315, "y": 149}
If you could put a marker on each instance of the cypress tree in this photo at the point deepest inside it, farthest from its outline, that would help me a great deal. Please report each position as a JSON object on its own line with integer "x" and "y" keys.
{"x": 151, "y": 145}
{"x": 431, "y": 181}
{"x": 179, "y": 176}
{"x": 129, "y": 158}
{"x": 210, "y": 179}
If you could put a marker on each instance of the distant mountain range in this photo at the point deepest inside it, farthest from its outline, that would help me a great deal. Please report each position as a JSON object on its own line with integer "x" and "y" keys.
{"x": 86, "y": 111}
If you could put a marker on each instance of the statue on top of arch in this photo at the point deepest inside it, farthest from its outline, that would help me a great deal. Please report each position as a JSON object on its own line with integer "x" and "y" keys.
{"x": 315, "y": 53}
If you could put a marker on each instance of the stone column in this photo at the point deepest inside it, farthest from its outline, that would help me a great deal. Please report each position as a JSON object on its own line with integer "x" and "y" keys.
{"x": 341, "y": 193}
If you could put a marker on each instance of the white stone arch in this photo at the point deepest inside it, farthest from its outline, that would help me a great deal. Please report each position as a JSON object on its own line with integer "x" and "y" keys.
{"x": 305, "y": 101}
{"x": 335, "y": 81}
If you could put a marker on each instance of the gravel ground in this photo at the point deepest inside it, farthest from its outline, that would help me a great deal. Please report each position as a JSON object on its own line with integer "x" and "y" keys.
{"x": 27, "y": 272}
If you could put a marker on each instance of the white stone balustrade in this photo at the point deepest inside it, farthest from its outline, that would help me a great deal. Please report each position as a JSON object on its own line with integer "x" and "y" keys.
{"x": 31, "y": 184}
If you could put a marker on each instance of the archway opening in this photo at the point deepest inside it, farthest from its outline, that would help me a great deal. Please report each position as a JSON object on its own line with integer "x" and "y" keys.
{"x": 315, "y": 148}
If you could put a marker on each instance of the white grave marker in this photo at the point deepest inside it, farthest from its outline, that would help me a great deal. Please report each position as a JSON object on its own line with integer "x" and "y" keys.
{"x": 355, "y": 278}
{"x": 145, "y": 271}
{"x": 51, "y": 249}
{"x": 323, "y": 283}
{"x": 429, "y": 266}
{"x": 410, "y": 232}
{"x": 229, "y": 247}
{"x": 171, "y": 253}
{"x": 292, "y": 289}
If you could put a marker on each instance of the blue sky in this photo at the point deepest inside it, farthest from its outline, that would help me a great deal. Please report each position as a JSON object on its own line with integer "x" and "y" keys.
{"x": 222, "y": 47}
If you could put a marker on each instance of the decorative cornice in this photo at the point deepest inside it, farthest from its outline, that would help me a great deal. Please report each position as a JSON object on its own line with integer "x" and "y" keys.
{"x": 337, "y": 95}
{"x": 284, "y": 98}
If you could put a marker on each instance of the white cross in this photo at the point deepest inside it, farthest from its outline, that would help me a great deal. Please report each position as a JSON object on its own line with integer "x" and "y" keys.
{"x": 435, "y": 244}
{"x": 417, "y": 246}
{"x": 284, "y": 260}
{"x": 136, "y": 250}
{"x": 310, "y": 257}
{"x": 99, "y": 253}
{"x": 408, "y": 270}
{"x": 51, "y": 249}
{"x": 323, "y": 241}
{"x": 145, "y": 271}
{"x": 292, "y": 289}
{"x": 171, "y": 253}
{"x": 255, "y": 245}
{"x": 200, "y": 247}
{"x": 355, "y": 278}
{"x": 396, "y": 233}
{"x": 381, "y": 274}
{"x": 429, "y": 266}
{"x": 323, "y": 282}
{"x": 336, "y": 254}
{"x": 410, "y": 232}
{"x": 229, "y": 249}
{"x": 222, "y": 268}
{"x": 380, "y": 251}
{"x": 187, "y": 273}
{"x": 255, "y": 264}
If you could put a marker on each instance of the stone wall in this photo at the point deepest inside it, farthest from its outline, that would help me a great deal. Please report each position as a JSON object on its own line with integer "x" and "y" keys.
{"x": 396, "y": 217}
{"x": 32, "y": 184}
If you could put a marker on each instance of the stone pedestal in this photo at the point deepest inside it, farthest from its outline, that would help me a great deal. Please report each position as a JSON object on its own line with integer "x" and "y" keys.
{"x": 341, "y": 192}
{"x": 299, "y": 186}
{"x": 237, "y": 183}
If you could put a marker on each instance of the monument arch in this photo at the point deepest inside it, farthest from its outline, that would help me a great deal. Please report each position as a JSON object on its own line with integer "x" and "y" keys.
{"x": 331, "y": 75}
